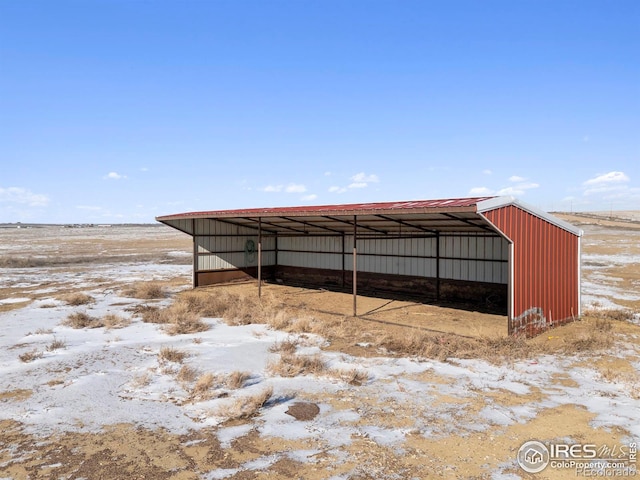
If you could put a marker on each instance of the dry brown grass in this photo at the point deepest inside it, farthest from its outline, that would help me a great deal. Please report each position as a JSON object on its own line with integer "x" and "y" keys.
{"x": 352, "y": 376}
{"x": 30, "y": 356}
{"x": 203, "y": 386}
{"x": 185, "y": 323}
{"x": 286, "y": 347}
{"x": 170, "y": 354}
{"x": 141, "y": 380}
{"x": 603, "y": 314}
{"x": 56, "y": 344}
{"x": 76, "y": 299}
{"x": 145, "y": 290}
{"x": 179, "y": 318}
{"x": 82, "y": 320}
{"x": 245, "y": 406}
{"x": 294, "y": 365}
{"x": 237, "y": 379}
{"x": 187, "y": 374}
{"x": 112, "y": 320}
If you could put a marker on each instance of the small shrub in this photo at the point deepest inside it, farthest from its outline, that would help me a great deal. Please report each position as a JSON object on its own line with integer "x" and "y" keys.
{"x": 280, "y": 320}
{"x": 30, "y": 356}
{"x": 294, "y": 365}
{"x": 170, "y": 354}
{"x": 186, "y": 323}
{"x": 55, "y": 345}
{"x": 187, "y": 374}
{"x": 603, "y": 325}
{"x": 593, "y": 341}
{"x": 82, "y": 320}
{"x": 202, "y": 389}
{"x": 286, "y": 347}
{"x": 141, "y": 380}
{"x": 236, "y": 379}
{"x": 145, "y": 290}
{"x": 245, "y": 406}
{"x": 112, "y": 320}
{"x": 77, "y": 298}
{"x": 352, "y": 376}
{"x": 150, "y": 314}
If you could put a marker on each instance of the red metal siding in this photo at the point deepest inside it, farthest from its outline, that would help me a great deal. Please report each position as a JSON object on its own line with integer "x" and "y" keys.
{"x": 545, "y": 270}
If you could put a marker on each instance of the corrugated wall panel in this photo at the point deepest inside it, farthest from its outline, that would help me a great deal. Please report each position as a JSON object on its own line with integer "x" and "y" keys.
{"x": 545, "y": 267}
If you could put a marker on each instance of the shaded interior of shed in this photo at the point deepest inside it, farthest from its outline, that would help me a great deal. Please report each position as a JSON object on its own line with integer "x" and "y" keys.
{"x": 448, "y": 257}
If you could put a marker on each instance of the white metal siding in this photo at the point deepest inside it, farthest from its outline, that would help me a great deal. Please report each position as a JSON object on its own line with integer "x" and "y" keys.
{"x": 470, "y": 258}
{"x": 222, "y": 246}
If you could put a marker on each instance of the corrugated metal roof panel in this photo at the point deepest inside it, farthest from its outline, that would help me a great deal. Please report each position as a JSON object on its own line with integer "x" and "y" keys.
{"x": 344, "y": 209}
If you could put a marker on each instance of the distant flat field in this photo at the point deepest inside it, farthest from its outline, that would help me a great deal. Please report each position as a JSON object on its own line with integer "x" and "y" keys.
{"x": 111, "y": 367}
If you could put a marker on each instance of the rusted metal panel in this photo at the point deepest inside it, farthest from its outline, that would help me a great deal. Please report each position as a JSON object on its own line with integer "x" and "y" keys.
{"x": 545, "y": 266}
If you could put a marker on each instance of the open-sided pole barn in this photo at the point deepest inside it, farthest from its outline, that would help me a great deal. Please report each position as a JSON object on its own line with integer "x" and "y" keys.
{"x": 487, "y": 250}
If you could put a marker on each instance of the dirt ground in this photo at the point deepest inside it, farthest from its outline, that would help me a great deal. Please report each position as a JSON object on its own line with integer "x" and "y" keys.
{"x": 128, "y": 451}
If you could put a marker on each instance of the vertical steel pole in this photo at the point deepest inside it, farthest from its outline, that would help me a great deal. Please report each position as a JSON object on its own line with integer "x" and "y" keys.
{"x": 437, "y": 266}
{"x": 355, "y": 266}
{"x": 344, "y": 267}
{"x": 259, "y": 257}
{"x": 195, "y": 253}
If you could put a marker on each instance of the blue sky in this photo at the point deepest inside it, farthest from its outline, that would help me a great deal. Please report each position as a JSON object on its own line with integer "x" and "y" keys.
{"x": 119, "y": 111}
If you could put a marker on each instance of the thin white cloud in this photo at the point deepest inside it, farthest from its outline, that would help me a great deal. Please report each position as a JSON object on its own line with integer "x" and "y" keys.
{"x": 327, "y": 173}
{"x": 610, "y": 185}
{"x": 290, "y": 188}
{"x": 359, "y": 180}
{"x": 295, "y": 188}
{"x": 364, "y": 178}
{"x": 144, "y": 169}
{"x": 308, "y": 198}
{"x": 518, "y": 190}
{"x": 486, "y": 171}
{"x": 608, "y": 178}
{"x": 23, "y": 196}
{"x": 114, "y": 176}
{"x": 480, "y": 191}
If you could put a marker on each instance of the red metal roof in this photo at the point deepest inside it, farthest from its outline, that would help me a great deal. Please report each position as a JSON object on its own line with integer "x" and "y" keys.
{"x": 343, "y": 209}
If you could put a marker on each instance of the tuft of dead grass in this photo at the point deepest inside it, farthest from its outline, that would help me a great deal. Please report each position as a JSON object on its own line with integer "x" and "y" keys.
{"x": 30, "y": 356}
{"x": 245, "y": 406}
{"x": 203, "y": 386}
{"x": 178, "y": 318}
{"x": 187, "y": 374}
{"x": 237, "y": 379}
{"x": 185, "y": 323}
{"x": 56, "y": 344}
{"x": 170, "y": 354}
{"x": 352, "y": 376}
{"x": 82, "y": 320}
{"x": 589, "y": 342}
{"x": 615, "y": 314}
{"x": 294, "y": 365}
{"x": 145, "y": 290}
{"x": 285, "y": 347}
{"x": 141, "y": 380}
{"x": 112, "y": 320}
{"x": 76, "y": 299}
